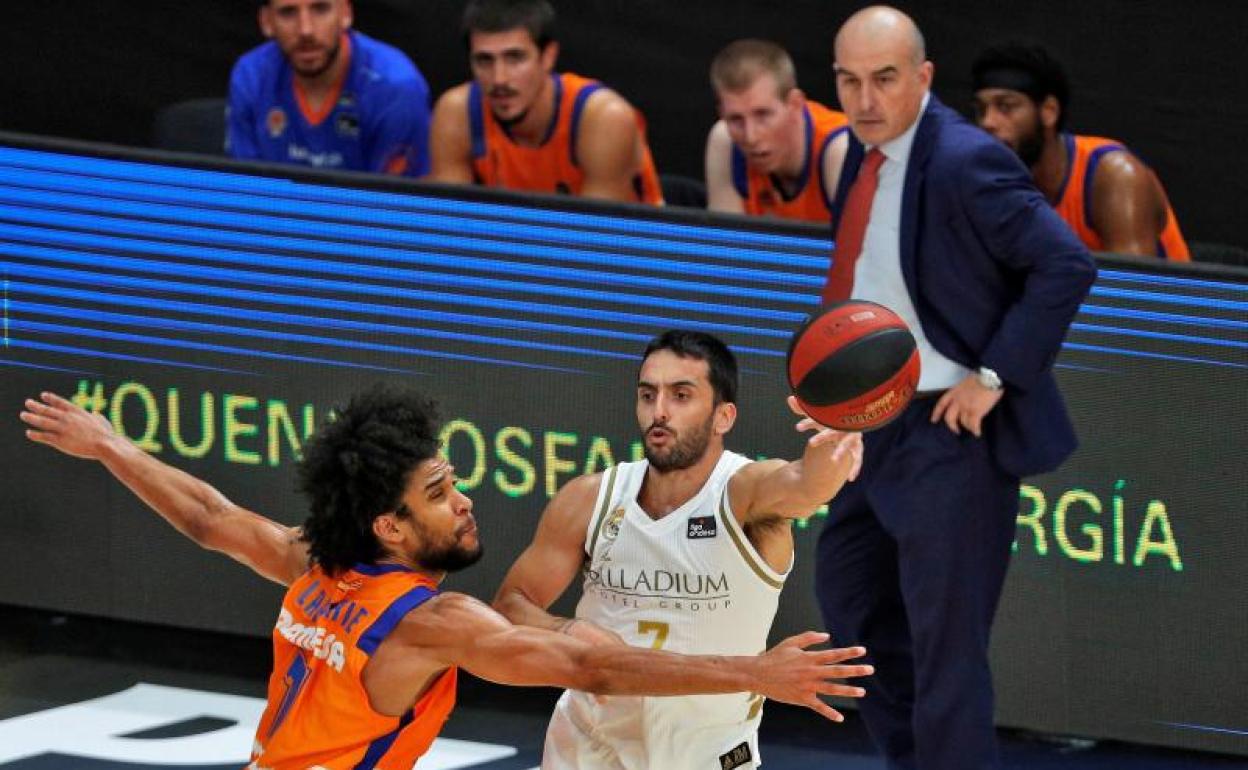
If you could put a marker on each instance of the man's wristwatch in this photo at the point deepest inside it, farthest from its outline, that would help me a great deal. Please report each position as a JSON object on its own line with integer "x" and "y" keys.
{"x": 988, "y": 378}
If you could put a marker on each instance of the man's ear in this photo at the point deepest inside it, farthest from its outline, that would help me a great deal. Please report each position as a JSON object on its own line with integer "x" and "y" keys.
{"x": 1050, "y": 111}
{"x": 725, "y": 417}
{"x": 264, "y": 17}
{"x": 550, "y": 55}
{"x": 386, "y": 528}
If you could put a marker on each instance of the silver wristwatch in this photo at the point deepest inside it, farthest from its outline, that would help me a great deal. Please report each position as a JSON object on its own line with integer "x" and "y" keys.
{"x": 988, "y": 378}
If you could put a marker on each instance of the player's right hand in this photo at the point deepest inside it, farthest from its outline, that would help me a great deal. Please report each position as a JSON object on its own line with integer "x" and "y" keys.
{"x": 65, "y": 426}
{"x": 790, "y": 673}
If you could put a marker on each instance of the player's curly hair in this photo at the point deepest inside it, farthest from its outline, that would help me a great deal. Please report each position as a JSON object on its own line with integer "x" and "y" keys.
{"x": 355, "y": 468}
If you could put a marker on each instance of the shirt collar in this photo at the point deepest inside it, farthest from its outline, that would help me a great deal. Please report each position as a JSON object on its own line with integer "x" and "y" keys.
{"x": 898, "y": 148}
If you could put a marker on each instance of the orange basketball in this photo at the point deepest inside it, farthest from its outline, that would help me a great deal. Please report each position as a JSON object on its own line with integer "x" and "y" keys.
{"x": 853, "y": 365}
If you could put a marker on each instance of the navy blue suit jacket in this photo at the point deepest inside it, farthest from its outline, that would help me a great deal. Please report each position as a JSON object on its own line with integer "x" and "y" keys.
{"x": 995, "y": 275}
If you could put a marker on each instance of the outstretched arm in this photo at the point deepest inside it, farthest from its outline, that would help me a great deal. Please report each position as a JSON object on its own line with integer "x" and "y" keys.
{"x": 193, "y": 507}
{"x": 795, "y": 489}
{"x": 458, "y": 630}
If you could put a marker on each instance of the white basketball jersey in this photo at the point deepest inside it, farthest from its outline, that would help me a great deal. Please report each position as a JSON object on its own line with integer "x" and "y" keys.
{"x": 689, "y": 582}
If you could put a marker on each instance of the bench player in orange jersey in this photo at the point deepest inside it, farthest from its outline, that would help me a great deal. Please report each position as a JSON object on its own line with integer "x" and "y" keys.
{"x": 1108, "y": 196}
{"x": 365, "y": 647}
{"x": 520, "y": 125}
{"x": 773, "y": 152}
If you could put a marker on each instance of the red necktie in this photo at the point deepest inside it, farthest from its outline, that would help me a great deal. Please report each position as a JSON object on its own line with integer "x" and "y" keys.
{"x": 852, "y": 229}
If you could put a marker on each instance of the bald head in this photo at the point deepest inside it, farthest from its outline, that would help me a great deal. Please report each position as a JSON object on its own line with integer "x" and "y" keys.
{"x": 882, "y": 73}
{"x": 882, "y": 25}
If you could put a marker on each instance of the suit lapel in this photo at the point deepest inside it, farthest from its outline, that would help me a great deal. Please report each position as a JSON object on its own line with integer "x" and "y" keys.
{"x": 916, "y": 168}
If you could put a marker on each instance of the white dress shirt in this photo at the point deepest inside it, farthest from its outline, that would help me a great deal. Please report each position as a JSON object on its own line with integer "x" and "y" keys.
{"x": 877, "y": 273}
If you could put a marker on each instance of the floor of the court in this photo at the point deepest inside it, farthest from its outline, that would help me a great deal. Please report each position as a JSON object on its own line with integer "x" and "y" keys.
{"x": 84, "y": 694}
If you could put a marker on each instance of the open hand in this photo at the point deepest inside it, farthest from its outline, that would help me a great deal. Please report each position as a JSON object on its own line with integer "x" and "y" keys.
{"x": 842, "y": 443}
{"x": 63, "y": 425}
{"x": 793, "y": 674}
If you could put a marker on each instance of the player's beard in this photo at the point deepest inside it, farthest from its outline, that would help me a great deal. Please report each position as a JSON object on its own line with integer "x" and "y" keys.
{"x": 686, "y": 451}
{"x": 444, "y": 557}
{"x": 508, "y": 123}
{"x": 451, "y": 558}
{"x": 1031, "y": 145}
{"x": 330, "y": 58}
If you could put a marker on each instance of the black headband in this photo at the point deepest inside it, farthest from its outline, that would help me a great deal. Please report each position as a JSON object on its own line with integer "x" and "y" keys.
{"x": 1012, "y": 79}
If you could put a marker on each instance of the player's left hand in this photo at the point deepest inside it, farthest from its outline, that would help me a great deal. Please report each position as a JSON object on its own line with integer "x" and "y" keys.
{"x": 61, "y": 424}
{"x": 965, "y": 404}
{"x": 842, "y": 443}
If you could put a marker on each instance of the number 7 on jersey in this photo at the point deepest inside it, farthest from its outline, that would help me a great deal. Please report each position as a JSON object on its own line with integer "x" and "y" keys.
{"x": 654, "y": 627}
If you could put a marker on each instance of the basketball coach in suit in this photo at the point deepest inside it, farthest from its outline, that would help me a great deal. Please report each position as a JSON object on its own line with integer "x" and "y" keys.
{"x": 941, "y": 223}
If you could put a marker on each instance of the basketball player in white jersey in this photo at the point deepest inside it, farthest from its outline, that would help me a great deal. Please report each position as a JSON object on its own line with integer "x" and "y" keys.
{"x": 685, "y": 551}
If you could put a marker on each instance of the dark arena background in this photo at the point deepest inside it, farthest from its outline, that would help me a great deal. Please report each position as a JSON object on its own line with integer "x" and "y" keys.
{"x": 216, "y": 311}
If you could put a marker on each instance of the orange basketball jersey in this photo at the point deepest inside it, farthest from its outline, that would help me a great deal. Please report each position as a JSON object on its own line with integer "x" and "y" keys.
{"x": 1074, "y": 203}
{"x": 552, "y": 166}
{"x": 318, "y": 714}
{"x": 763, "y": 197}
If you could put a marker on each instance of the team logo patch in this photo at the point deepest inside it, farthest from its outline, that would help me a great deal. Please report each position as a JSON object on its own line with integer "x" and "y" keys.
{"x": 347, "y": 124}
{"x": 735, "y": 757}
{"x": 700, "y": 527}
{"x": 611, "y": 527}
{"x": 275, "y": 122}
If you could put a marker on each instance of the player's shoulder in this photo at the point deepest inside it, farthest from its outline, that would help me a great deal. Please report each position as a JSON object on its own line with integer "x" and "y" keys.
{"x": 455, "y": 99}
{"x": 1120, "y": 166}
{"x": 447, "y": 612}
{"x": 605, "y": 105}
{"x": 608, "y": 101}
{"x": 573, "y": 505}
{"x": 827, "y": 117}
{"x": 385, "y": 66}
{"x": 450, "y": 603}
{"x": 584, "y": 488}
{"x": 738, "y": 467}
{"x": 260, "y": 64}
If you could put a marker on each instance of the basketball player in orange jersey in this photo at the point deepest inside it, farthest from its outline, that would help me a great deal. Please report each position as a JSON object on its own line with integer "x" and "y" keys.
{"x": 773, "y": 151}
{"x": 520, "y": 125}
{"x": 365, "y": 647}
{"x": 1108, "y": 196}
